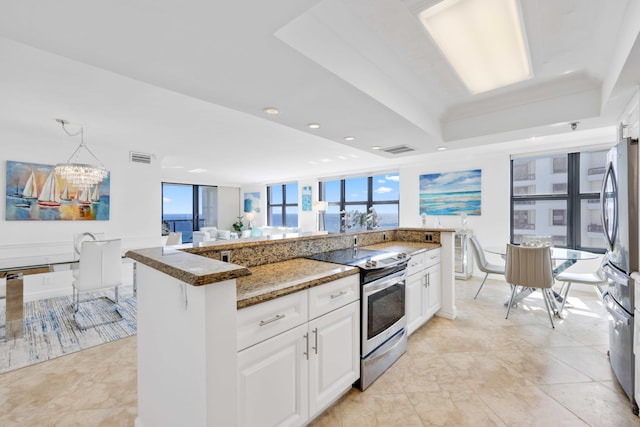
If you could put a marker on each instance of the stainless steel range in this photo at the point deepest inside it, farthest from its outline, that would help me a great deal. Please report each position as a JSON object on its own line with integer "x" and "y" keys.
{"x": 383, "y": 327}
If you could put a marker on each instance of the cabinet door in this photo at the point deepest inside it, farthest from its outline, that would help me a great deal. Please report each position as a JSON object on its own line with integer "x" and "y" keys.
{"x": 334, "y": 360}
{"x": 273, "y": 381}
{"x": 415, "y": 301}
{"x": 434, "y": 290}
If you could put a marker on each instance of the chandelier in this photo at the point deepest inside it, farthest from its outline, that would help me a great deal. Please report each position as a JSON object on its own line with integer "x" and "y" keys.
{"x": 80, "y": 175}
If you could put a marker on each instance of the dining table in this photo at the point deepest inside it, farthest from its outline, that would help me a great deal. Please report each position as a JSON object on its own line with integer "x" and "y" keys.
{"x": 562, "y": 259}
{"x": 14, "y": 270}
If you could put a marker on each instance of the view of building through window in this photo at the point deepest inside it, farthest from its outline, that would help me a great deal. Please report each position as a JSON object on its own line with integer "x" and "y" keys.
{"x": 559, "y": 196}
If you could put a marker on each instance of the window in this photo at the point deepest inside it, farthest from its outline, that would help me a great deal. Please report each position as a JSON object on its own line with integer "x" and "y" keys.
{"x": 563, "y": 200}
{"x": 560, "y": 164}
{"x": 559, "y": 217}
{"x": 559, "y": 188}
{"x": 282, "y": 205}
{"x": 523, "y": 172}
{"x": 361, "y": 203}
{"x": 186, "y": 208}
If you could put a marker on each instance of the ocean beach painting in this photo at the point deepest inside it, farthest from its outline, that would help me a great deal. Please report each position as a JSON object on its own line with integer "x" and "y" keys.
{"x": 35, "y": 193}
{"x": 451, "y": 193}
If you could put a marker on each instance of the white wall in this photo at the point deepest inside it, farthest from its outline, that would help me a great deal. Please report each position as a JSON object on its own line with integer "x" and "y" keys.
{"x": 135, "y": 188}
{"x": 260, "y": 217}
{"x": 631, "y": 116}
{"x": 307, "y": 220}
{"x": 228, "y": 207}
{"x": 492, "y": 226}
{"x": 134, "y": 210}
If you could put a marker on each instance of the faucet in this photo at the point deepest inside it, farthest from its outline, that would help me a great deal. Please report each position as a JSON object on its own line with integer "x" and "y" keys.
{"x": 355, "y": 242}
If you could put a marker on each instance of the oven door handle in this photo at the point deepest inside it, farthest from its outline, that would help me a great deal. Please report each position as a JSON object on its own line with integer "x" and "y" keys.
{"x": 387, "y": 282}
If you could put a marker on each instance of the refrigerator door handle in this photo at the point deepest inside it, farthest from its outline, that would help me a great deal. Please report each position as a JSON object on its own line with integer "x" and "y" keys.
{"x": 613, "y": 274}
{"x": 609, "y": 176}
{"x": 610, "y": 304}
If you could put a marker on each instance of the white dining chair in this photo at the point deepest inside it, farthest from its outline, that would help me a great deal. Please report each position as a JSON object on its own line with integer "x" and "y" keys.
{"x": 530, "y": 267}
{"x": 482, "y": 263}
{"x": 175, "y": 238}
{"x": 81, "y": 237}
{"x": 100, "y": 268}
{"x": 576, "y": 274}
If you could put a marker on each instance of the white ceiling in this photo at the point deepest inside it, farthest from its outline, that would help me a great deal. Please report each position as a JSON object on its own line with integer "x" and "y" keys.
{"x": 188, "y": 81}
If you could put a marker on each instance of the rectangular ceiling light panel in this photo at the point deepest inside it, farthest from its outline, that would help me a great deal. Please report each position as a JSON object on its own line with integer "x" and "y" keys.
{"x": 484, "y": 41}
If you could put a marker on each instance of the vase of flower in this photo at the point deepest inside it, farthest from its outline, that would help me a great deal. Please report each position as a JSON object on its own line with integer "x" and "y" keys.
{"x": 238, "y": 225}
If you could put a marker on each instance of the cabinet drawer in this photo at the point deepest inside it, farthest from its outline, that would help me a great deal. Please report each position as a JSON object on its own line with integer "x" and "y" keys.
{"x": 261, "y": 321}
{"x": 329, "y": 296}
{"x": 416, "y": 263}
{"x": 432, "y": 257}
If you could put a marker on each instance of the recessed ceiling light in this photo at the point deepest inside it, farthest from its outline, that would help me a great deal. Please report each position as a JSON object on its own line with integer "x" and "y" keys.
{"x": 272, "y": 111}
{"x": 484, "y": 41}
{"x": 441, "y": 148}
{"x": 198, "y": 170}
{"x": 349, "y": 138}
{"x": 375, "y": 147}
{"x": 314, "y": 125}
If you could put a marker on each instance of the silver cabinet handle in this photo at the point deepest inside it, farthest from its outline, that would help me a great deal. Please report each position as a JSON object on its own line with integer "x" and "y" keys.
{"x": 339, "y": 294}
{"x": 315, "y": 347}
{"x": 306, "y": 338}
{"x": 273, "y": 319}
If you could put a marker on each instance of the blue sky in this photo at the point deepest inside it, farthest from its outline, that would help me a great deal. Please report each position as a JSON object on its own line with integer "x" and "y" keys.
{"x": 177, "y": 199}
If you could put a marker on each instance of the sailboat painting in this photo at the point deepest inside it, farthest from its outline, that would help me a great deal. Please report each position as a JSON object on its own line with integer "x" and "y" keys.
{"x": 35, "y": 193}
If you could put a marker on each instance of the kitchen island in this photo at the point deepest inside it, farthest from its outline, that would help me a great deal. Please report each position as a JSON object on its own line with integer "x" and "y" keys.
{"x": 188, "y": 305}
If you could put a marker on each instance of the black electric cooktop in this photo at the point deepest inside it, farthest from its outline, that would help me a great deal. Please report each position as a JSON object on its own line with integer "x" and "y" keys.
{"x": 350, "y": 256}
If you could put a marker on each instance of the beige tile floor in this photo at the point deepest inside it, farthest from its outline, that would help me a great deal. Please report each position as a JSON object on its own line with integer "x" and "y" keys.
{"x": 477, "y": 370}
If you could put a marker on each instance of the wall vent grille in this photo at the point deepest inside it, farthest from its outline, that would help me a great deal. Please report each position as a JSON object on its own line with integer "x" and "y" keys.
{"x": 398, "y": 149}
{"x": 139, "y": 157}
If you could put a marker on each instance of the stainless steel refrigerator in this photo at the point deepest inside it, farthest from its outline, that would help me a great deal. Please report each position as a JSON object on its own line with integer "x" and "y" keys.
{"x": 619, "y": 199}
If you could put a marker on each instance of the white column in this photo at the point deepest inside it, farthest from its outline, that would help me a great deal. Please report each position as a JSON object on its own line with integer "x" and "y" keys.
{"x": 187, "y": 352}
{"x": 447, "y": 261}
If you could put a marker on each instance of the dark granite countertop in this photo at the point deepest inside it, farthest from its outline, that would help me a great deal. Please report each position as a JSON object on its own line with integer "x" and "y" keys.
{"x": 278, "y": 279}
{"x": 262, "y": 282}
{"x": 192, "y": 269}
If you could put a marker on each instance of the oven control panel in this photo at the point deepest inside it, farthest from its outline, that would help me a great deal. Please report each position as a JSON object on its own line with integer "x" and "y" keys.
{"x": 385, "y": 260}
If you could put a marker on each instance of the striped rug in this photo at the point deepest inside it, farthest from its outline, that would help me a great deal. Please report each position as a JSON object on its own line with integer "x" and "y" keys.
{"x": 50, "y": 330}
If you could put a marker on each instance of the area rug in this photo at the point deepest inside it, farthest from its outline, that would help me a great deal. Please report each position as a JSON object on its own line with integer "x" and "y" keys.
{"x": 50, "y": 330}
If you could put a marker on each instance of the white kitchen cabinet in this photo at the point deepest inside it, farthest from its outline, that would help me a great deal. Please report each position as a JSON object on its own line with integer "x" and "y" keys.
{"x": 288, "y": 378}
{"x": 273, "y": 381}
{"x": 334, "y": 356}
{"x": 434, "y": 290}
{"x": 415, "y": 301}
{"x": 423, "y": 297}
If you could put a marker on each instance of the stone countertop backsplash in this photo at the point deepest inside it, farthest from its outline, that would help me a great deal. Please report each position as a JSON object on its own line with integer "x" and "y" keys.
{"x": 267, "y": 269}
